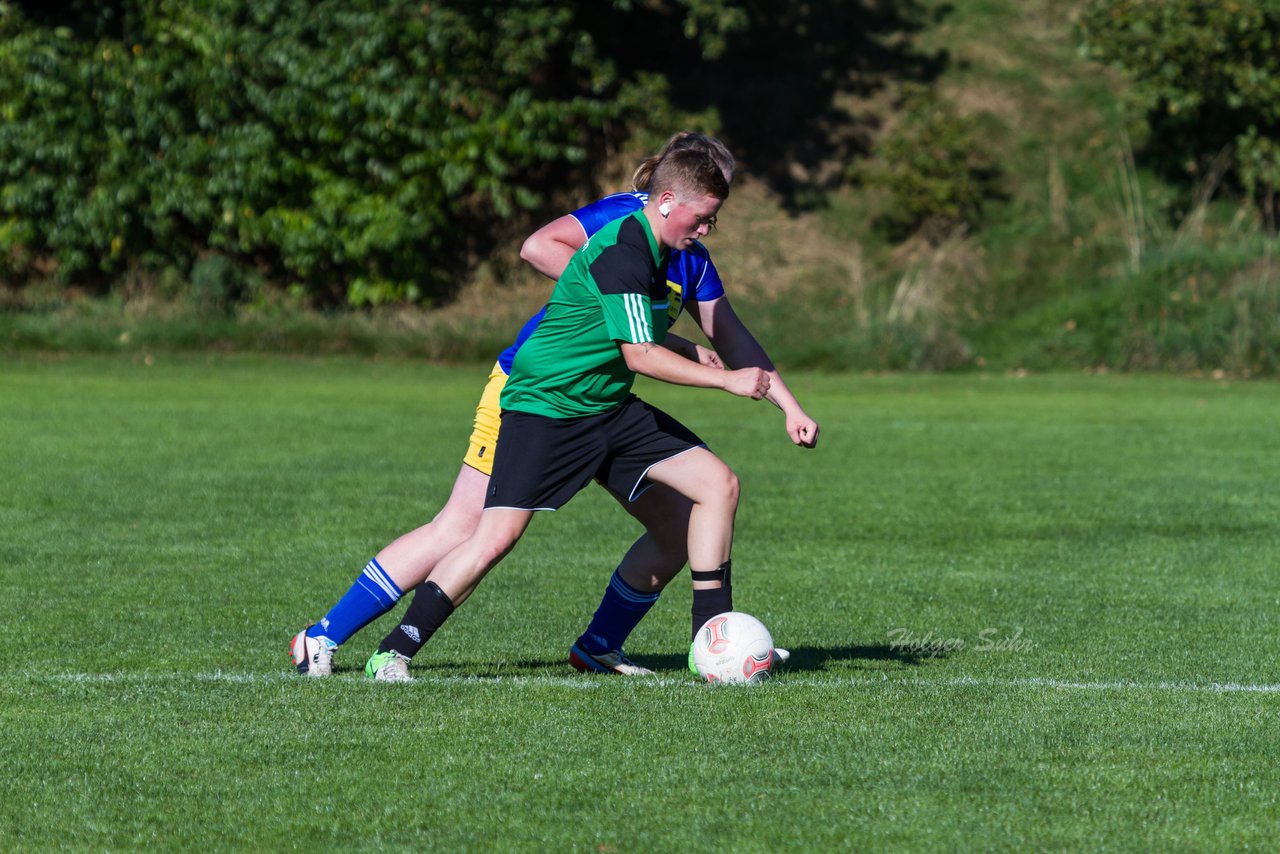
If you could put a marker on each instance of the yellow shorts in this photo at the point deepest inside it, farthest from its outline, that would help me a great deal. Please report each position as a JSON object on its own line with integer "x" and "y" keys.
{"x": 484, "y": 434}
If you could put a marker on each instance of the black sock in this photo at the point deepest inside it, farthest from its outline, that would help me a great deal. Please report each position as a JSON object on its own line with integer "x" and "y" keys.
{"x": 426, "y": 613}
{"x": 708, "y": 603}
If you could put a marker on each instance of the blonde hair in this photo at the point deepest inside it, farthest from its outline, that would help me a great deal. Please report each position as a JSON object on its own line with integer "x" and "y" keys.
{"x": 685, "y": 141}
{"x": 689, "y": 173}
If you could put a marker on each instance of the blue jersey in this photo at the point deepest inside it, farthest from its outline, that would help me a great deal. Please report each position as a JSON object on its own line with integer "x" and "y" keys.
{"x": 690, "y": 274}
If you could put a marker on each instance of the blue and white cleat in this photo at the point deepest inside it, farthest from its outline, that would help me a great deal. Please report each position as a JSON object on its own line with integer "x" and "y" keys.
{"x": 311, "y": 656}
{"x": 615, "y": 661}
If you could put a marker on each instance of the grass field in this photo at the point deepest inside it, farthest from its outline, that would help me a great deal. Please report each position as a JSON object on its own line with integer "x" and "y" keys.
{"x": 1026, "y": 613}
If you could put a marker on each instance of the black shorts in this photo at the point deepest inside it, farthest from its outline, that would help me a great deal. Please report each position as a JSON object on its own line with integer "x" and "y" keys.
{"x": 540, "y": 462}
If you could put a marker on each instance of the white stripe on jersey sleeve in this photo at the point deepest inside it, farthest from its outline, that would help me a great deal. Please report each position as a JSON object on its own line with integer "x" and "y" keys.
{"x": 631, "y": 320}
{"x": 633, "y": 312}
{"x": 637, "y": 312}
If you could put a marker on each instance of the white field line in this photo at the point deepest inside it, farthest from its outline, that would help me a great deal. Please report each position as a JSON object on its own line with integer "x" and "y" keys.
{"x": 1035, "y": 683}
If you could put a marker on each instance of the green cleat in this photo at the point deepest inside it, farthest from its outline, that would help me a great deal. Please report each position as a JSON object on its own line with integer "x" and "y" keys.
{"x": 692, "y": 668}
{"x": 389, "y": 666}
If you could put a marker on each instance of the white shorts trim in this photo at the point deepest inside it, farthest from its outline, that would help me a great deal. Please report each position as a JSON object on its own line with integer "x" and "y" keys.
{"x": 640, "y": 487}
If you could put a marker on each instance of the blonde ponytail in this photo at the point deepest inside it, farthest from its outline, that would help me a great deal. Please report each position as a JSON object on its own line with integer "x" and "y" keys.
{"x": 685, "y": 141}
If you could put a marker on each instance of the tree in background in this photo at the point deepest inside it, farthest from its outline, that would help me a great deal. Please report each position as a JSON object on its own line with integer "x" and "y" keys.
{"x": 370, "y": 151}
{"x": 361, "y": 150}
{"x": 1208, "y": 77}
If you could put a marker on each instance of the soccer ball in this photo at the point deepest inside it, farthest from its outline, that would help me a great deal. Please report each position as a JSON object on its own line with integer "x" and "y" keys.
{"x": 733, "y": 647}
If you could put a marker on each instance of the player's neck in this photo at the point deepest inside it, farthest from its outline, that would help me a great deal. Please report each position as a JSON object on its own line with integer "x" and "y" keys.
{"x": 655, "y": 220}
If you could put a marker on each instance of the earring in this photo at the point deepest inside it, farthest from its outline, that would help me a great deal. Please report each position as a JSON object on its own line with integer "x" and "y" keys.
{"x": 664, "y": 209}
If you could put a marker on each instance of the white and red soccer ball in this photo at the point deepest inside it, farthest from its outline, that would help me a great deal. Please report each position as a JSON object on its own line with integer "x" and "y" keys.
{"x": 734, "y": 648}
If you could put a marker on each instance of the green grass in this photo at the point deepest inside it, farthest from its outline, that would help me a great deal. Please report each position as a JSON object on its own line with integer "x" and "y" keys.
{"x": 168, "y": 526}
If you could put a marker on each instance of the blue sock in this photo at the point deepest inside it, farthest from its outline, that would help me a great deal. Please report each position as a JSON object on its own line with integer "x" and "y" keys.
{"x": 371, "y": 595}
{"x": 620, "y": 611}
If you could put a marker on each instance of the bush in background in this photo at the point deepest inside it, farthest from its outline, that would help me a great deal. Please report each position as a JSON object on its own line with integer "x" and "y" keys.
{"x": 362, "y": 150}
{"x": 1208, "y": 77}
{"x": 930, "y": 168}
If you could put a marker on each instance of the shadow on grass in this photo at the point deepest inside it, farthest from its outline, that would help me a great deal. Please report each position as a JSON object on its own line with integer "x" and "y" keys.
{"x": 803, "y": 659}
{"x": 425, "y": 665}
{"x": 810, "y": 658}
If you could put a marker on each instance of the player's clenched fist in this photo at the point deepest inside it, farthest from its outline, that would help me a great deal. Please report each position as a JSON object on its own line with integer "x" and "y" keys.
{"x": 747, "y": 382}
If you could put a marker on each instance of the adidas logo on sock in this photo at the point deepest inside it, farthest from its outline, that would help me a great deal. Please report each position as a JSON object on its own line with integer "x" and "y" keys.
{"x": 412, "y": 632}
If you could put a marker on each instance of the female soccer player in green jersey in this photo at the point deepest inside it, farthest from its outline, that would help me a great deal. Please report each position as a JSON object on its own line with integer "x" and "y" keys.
{"x": 655, "y": 558}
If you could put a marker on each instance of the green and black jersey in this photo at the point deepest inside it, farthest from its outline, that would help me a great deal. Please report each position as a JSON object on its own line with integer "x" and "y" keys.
{"x": 611, "y": 293}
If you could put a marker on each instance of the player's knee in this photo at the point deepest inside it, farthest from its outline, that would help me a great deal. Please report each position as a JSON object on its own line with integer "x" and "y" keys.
{"x": 455, "y": 526}
{"x": 493, "y": 541}
{"x": 498, "y": 546}
{"x": 722, "y": 487}
{"x": 495, "y": 552}
{"x": 732, "y": 487}
{"x": 482, "y": 553}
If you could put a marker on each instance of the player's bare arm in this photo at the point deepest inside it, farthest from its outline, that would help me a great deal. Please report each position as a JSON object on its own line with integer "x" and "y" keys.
{"x": 692, "y": 351}
{"x": 659, "y": 363}
{"x": 549, "y": 249}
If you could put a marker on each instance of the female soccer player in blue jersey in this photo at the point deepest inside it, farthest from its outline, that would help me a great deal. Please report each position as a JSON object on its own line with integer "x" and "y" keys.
{"x": 654, "y": 559}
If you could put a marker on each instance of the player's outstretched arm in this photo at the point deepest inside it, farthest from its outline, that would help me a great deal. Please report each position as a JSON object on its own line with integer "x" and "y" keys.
{"x": 660, "y": 363}
{"x": 738, "y": 348}
{"x": 549, "y": 249}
